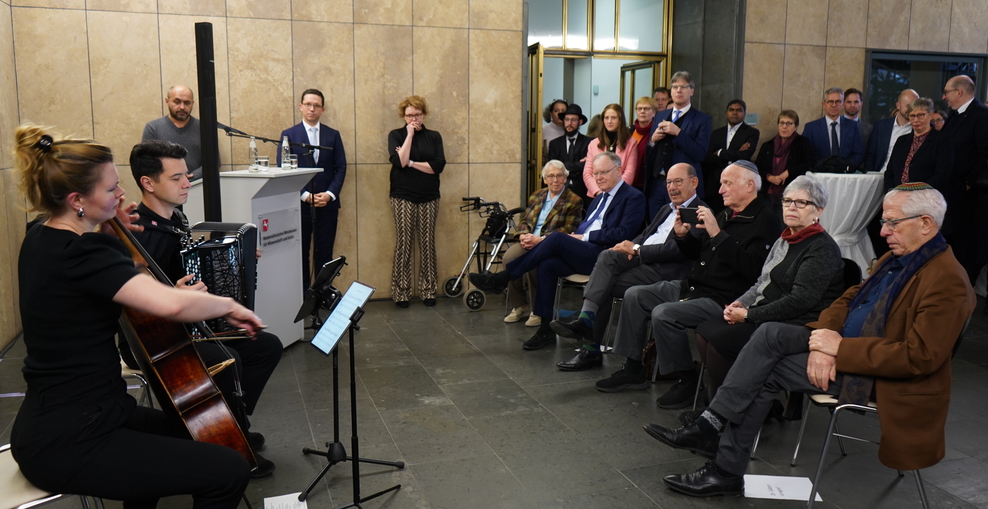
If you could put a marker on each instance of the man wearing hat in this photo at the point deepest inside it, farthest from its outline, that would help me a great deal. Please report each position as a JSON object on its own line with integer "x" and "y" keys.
{"x": 571, "y": 149}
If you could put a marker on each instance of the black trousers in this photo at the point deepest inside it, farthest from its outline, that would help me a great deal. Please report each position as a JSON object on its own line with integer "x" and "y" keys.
{"x": 325, "y": 238}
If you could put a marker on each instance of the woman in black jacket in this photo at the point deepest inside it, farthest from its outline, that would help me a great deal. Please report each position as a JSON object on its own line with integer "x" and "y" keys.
{"x": 783, "y": 158}
{"x": 924, "y": 155}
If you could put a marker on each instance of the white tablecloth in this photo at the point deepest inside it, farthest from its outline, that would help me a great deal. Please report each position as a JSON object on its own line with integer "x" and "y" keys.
{"x": 854, "y": 200}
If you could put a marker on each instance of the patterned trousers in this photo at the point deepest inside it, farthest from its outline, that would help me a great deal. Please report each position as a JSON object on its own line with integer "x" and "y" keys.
{"x": 411, "y": 220}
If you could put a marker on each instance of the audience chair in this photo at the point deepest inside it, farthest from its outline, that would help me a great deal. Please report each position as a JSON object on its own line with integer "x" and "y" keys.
{"x": 572, "y": 280}
{"x": 18, "y": 493}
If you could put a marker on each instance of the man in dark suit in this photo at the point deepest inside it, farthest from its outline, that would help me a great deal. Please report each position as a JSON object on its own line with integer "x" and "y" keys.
{"x": 615, "y": 215}
{"x": 680, "y": 134}
{"x": 322, "y": 193}
{"x": 834, "y": 135}
{"x": 968, "y": 129}
{"x": 853, "y": 99}
{"x": 887, "y": 131}
{"x": 736, "y": 140}
{"x": 650, "y": 257}
{"x": 571, "y": 149}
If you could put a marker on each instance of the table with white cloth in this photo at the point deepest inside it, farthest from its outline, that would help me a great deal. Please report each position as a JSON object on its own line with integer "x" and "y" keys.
{"x": 854, "y": 200}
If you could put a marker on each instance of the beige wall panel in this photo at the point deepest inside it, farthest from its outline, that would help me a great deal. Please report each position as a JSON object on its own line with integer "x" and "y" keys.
{"x": 132, "y": 191}
{"x": 194, "y": 7}
{"x": 496, "y": 15}
{"x": 765, "y": 21}
{"x": 324, "y": 61}
{"x": 346, "y": 231}
{"x": 375, "y": 227}
{"x": 929, "y": 26}
{"x": 806, "y": 22}
{"x": 323, "y": 10}
{"x": 887, "y": 24}
{"x": 845, "y": 68}
{"x": 440, "y": 66}
{"x": 968, "y": 26}
{"x": 847, "y": 24}
{"x": 8, "y": 268}
{"x": 497, "y": 182}
{"x": 803, "y": 81}
{"x": 8, "y": 90}
{"x": 260, "y": 81}
{"x": 123, "y": 5}
{"x": 53, "y": 78}
{"x": 495, "y": 93}
{"x": 452, "y": 233}
{"x": 59, "y": 4}
{"x": 124, "y": 69}
{"x": 16, "y": 219}
{"x": 178, "y": 67}
{"x": 269, "y": 9}
{"x": 441, "y": 13}
{"x": 382, "y": 78}
{"x": 383, "y": 12}
{"x": 763, "y": 82}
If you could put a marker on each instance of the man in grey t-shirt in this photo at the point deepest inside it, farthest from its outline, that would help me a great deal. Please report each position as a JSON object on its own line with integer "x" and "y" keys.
{"x": 179, "y": 126}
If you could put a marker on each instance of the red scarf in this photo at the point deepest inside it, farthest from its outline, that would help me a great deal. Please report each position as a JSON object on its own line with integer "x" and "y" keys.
{"x": 801, "y": 235}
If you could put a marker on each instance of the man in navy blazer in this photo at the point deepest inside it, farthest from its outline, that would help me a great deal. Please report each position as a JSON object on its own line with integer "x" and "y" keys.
{"x": 886, "y": 132}
{"x": 821, "y": 131}
{"x": 680, "y": 134}
{"x": 615, "y": 215}
{"x": 322, "y": 193}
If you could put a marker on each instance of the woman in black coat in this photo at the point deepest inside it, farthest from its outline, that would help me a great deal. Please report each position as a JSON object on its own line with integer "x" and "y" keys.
{"x": 924, "y": 155}
{"x": 783, "y": 158}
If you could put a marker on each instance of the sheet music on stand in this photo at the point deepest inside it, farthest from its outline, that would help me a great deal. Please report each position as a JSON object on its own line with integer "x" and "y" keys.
{"x": 339, "y": 320}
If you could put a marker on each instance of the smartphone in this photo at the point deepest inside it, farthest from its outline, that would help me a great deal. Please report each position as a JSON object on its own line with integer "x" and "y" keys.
{"x": 688, "y": 215}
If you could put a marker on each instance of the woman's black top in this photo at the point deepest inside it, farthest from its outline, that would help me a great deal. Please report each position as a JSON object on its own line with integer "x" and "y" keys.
{"x": 408, "y": 183}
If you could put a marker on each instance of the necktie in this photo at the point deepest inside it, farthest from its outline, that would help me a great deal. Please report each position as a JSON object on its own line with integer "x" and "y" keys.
{"x": 675, "y": 115}
{"x": 834, "y": 144}
{"x": 586, "y": 224}
{"x": 313, "y": 140}
{"x": 572, "y": 143}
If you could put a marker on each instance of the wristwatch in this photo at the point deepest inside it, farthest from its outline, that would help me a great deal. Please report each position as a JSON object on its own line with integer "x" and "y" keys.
{"x": 636, "y": 247}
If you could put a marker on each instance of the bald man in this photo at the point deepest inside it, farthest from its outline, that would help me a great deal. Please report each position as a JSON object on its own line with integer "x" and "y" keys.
{"x": 179, "y": 126}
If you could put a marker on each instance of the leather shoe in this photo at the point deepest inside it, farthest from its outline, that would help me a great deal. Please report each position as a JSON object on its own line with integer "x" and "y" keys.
{"x": 541, "y": 339}
{"x": 256, "y": 440}
{"x": 688, "y": 437}
{"x": 682, "y": 393}
{"x": 489, "y": 282}
{"x": 586, "y": 359}
{"x": 577, "y": 329}
{"x": 709, "y": 481}
{"x": 265, "y": 467}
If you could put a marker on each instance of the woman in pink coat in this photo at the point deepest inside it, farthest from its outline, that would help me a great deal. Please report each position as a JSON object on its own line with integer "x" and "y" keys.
{"x": 614, "y": 137}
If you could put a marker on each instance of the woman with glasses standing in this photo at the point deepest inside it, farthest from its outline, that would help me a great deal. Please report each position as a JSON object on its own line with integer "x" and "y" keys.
{"x": 417, "y": 159}
{"x": 783, "y": 158}
{"x": 924, "y": 155}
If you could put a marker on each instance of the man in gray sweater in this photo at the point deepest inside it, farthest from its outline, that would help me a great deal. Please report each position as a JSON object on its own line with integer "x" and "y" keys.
{"x": 179, "y": 126}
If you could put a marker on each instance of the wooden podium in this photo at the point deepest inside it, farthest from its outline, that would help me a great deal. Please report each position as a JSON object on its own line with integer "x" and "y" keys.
{"x": 269, "y": 200}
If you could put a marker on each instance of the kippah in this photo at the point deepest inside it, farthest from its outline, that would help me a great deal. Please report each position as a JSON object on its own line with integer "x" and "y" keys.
{"x": 913, "y": 186}
{"x": 748, "y": 165}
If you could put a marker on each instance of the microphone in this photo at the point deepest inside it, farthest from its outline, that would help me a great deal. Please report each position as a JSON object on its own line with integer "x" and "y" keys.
{"x": 229, "y": 129}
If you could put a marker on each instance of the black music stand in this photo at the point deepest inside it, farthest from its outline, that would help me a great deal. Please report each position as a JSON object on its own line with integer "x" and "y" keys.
{"x": 322, "y": 294}
{"x": 343, "y": 319}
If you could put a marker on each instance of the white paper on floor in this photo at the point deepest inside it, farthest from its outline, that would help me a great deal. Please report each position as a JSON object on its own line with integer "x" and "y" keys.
{"x": 285, "y": 502}
{"x": 777, "y": 487}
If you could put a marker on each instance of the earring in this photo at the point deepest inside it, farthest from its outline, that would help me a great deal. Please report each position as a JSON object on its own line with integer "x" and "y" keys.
{"x": 81, "y": 213}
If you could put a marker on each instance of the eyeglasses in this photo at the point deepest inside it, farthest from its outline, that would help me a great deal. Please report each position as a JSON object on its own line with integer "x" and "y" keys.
{"x": 833, "y": 102}
{"x": 598, "y": 174}
{"x": 554, "y": 177}
{"x": 892, "y": 223}
{"x": 643, "y": 108}
{"x": 949, "y": 90}
{"x": 680, "y": 87}
{"x": 800, "y": 204}
{"x": 937, "y": 121}
{"x": 918, "y": 116}
{"x": 417, "y": 115}
{"x": 675, "y": 182}
{"x": 786, "y": 123}
{"x": 311, "y": 106}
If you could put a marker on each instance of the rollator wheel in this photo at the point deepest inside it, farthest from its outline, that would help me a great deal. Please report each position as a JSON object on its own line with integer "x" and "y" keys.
{"x": 474, "y": 300}
{"x": 451, "y": 289}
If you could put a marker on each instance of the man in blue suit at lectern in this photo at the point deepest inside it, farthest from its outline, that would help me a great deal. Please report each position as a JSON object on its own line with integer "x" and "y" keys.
{"x": 322, "y": 193}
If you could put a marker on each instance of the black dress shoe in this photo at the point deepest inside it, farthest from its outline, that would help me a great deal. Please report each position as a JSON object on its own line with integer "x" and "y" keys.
{"x": 688, "y": 437}
{"x": 576, "y": 329}
{"x": 401, "y": 303}
{"x": 541, "y": 339}
{"x": 491, "y": 283}
{"x": 265, "y": 467}
{"x": 429, "y": 302}
{"x": 586, "y": 359}
{"x": 256, "y": 440}
{"x": 709, "y": 481}
{"x": 681, "y": 394}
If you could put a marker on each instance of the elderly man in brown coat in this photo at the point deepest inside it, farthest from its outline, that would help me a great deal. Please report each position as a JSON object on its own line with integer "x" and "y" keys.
{"x": 897, "y": 329}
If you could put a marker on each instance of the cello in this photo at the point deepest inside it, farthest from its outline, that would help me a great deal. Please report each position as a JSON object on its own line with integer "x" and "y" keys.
{"x": 165, "y": 351}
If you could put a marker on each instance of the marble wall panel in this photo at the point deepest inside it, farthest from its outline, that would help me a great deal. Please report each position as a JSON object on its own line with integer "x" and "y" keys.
{"x": 497, "y": 182}
{"x": 53, "y": 78}
{"x": 765, "y": 21}
{"x": 193, "y": 7}
{"x": 323, "y": 59}
{"x": 803, "y": 83}
{"x": 132, "y": 190}
{"x": 763, "y": 83}
{"x": 440, "y": 65}
{"x": 887, "y": 22}
{"x": 178, "y": 67}
{"x": 346, "y": 231}
{"x": 453, "y": 238}
{"x": 441, "y": 13}
{"x": 268, "y": 9}
{"x": 806, "y": 22}
{"x": 845, "y": 68}
{"x": 16, "y": 216}
{"x": 929, "y": 25}
{"x": 968, "y": 26}
{"x": 260, "y": 81}
{"x": 124, "y": 71}
{"x": 55, "y": 4}
{"x": 122, "y": 5}
{"x": 495, "y": 93}
{"x": 847, "y": 23}
{"x": 340, "y": 11}
{"x": 496, "y": 15}
{"x": 383, "y": 12}
{"x": 8, "y": 269}
{"x": 382, "y": 78}
{"x": 8, "y": 89}
{"x": 375, "y": 227}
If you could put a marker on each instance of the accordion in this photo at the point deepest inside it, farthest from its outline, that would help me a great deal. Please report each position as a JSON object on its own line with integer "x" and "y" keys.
{"x": 226, "y": 262}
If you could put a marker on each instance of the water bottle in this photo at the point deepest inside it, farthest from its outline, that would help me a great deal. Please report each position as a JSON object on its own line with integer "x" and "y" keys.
{"x": 285, "y": 152}
{"x": 252, "y": 151}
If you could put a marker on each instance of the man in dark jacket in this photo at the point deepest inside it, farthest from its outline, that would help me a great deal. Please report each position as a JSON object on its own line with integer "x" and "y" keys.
{"x": 732, "y": 142}
{"x": 571, "y": 149}
{"x": 727, "y": 259}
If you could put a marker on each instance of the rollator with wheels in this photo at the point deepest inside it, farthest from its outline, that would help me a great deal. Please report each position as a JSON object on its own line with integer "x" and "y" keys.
{"x": 488, "y": 249}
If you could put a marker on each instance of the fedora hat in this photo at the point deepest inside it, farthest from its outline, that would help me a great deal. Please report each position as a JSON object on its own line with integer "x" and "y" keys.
{"x": 573, "y": 109}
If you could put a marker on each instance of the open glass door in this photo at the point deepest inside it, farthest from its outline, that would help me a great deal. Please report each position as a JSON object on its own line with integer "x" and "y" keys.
{"x": 638, "y": 79}
{"x": 536, "y": 148}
